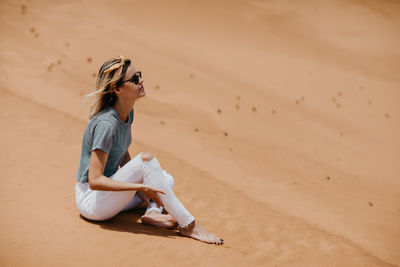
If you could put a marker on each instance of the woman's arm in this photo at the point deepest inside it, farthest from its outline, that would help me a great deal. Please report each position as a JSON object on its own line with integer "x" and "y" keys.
{"x": 97, "y": 181}
{"x": 126, "y": 159}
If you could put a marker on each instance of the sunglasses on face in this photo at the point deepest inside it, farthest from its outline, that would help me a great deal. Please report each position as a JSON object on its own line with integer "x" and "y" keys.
{"x": 135, "y": 78}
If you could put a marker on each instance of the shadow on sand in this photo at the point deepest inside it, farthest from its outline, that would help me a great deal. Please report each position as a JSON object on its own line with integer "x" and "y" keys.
{"x": 130, "y": 222}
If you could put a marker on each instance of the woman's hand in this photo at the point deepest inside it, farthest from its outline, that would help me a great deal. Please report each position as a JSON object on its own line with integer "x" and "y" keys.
{"x": 152, "y": 193}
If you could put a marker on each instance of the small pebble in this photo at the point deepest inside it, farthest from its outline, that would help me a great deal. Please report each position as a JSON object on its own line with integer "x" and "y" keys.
{"x": 386, "y": 115}
{"x": 274, "y": 111}
{"x": 370, "y": 203}
{"x": 237, "y": 106}
{"x": 219, "y": 111}
{"x": 328, "y": 178}
{"x": 162, "y": 122}
{"x": 196, "y": 130}
{"x": 89, "y": 59}
{"x": 254, "y": 109}
{"x": 238, "y": 97}
{"x": 157, "y": 87}
{"x": 225, "y": 133}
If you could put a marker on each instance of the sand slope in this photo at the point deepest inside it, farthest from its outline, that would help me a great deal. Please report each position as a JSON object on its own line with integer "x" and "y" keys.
{"x": 278, "y": 120}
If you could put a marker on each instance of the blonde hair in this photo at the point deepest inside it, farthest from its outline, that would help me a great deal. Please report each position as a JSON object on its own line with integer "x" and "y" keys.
{"x": 109, "y": 78}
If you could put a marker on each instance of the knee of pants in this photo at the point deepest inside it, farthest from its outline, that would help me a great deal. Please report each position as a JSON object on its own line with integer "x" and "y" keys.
{"x": 169, "y": 178}
{"x": 146, "y": 156}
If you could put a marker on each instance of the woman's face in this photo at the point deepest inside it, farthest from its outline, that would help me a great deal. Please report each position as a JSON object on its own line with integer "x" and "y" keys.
{"x": 129, "y": 90}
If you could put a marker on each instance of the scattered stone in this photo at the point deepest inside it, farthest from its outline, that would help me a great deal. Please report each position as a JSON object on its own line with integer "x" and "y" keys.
{"x": 238, "y": 97}
{"x": 32, "y": 30}
{"x": 387, "y": 115}
{"x": 94, "y": 74}
{"x": 237, "y": 106}
{"x": 191, "y": 75}
{"x": 89, "y": 60}
{"x": 254, "y": 109}
{"x": 162, "y": 122}
{"x": 274, "y": 111}
{"x": 157, "y": 87}
{"x": 225, "y": 133}
{"x": 196, "y": 130}
{"x": 219, "y": 111}
{"x": 328, "y": 178}
{"x": 370, "y": 203}
{"x": 59, "y": 62}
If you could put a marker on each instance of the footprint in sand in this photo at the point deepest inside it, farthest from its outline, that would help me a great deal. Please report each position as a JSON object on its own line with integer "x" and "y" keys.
{"x": 23, "y": 9}
{"x": 254, "y": 109}
{"x": 219, "y": 111}
{"x": 50, "y": 67}
{"x": 89, "y": 60}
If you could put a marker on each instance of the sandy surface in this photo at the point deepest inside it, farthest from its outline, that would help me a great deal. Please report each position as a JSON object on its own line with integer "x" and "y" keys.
{"x": 279, "y": 120}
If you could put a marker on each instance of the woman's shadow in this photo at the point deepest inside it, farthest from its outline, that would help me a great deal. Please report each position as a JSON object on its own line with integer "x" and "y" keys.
{"x": 130, "y": 222}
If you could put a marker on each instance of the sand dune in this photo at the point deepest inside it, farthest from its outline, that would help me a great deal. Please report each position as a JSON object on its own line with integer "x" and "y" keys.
{"x": 278, "y": 119}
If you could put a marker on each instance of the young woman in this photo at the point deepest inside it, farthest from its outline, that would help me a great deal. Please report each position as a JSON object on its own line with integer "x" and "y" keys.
{"x": 103, "y": 189}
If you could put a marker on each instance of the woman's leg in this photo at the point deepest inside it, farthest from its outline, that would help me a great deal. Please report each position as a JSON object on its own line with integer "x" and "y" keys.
{"x": 141, "y": 169}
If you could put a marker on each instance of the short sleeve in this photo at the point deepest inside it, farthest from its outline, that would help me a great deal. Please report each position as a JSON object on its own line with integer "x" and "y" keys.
{"x": 103, "y": 136}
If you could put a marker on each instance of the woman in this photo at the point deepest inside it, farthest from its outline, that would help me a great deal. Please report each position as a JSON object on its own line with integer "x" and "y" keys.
{"x": 103, "y": 189}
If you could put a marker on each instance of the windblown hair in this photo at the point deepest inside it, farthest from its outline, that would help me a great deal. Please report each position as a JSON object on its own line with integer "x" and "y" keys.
{"x": 104, "y": 94}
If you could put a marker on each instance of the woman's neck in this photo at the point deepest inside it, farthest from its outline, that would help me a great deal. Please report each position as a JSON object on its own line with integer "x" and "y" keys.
{"x": 122, "y": 109}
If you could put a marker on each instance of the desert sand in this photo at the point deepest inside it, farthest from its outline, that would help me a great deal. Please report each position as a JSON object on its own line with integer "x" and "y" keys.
{"x": 279, "y": 120}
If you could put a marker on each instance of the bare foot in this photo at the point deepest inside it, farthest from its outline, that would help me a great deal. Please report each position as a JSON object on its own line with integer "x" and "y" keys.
{"x": 200, "y": 233}
{"x": 159, "y": 220}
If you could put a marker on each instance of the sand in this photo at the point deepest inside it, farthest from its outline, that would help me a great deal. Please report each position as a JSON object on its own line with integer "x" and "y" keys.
{"x": 278, "y": 119}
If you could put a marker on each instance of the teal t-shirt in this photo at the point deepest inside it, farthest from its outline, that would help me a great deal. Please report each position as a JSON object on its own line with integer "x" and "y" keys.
{"x": 105, "y": 131}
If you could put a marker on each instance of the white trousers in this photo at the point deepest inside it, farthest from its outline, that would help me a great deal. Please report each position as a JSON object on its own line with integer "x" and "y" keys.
{"x": 102, "y": 205}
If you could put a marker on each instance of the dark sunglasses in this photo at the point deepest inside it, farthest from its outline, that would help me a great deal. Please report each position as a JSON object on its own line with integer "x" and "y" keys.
{"x": 135, "y": 78}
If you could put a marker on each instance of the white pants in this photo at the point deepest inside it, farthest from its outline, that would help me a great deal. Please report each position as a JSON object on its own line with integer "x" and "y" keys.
{"x": 102, "y": 205}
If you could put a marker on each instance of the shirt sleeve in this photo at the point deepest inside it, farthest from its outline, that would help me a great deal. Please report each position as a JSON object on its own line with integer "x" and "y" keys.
{"x": 103, "y": 136}
{"x": 131, "y": 114}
